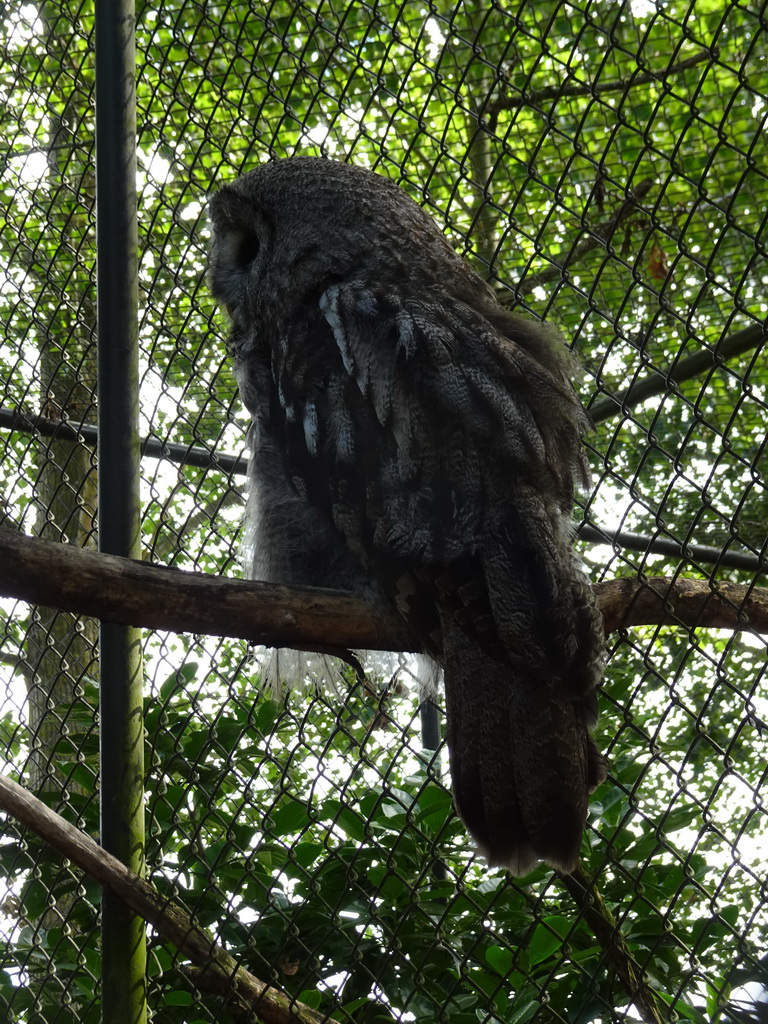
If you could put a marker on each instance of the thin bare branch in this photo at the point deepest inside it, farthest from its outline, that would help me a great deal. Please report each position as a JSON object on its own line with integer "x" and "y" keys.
{"x": 600, "y": 235}
{"x": 622, "y": 85}
{"x": 697, "y": 365}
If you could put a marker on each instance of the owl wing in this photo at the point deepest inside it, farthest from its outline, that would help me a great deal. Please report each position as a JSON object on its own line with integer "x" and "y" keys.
{"x": 445, "y": 455}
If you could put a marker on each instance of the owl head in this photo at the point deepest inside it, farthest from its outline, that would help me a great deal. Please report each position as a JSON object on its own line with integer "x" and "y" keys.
{"x": 287, "y": 230}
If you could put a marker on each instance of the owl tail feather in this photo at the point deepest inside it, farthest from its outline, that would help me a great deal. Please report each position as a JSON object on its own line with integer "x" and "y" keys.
{"x": 522, "y": 760}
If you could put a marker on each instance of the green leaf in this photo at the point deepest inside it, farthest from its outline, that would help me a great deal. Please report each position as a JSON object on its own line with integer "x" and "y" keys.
{"x": 680, "y": 817}
{"x": 547, "y": 938}
{"x": 307, "y": 854}
{"x": 311, "y": 996}
{"x": 525, "y": 1006}
{"x": 291, "y": 817}
{"x": 178, "y": 680}
{"x": 178, "y": 997}
{"x": 500, "y": 959}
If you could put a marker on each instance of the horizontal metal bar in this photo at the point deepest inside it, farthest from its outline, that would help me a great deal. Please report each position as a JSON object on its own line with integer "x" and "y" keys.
{"x": 151, "y": 447}
{"x": 602, "y": 409}
{"x": 701, "y": 553}
{"x": 203, "y": 458}
{"x": 660, "y": 382}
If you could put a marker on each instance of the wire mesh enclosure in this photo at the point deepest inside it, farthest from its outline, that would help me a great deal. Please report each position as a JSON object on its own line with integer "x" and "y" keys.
{"x": 602, "y": 165}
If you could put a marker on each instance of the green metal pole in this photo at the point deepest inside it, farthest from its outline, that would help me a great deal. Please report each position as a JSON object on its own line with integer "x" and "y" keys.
{"x": 122, "y": 764}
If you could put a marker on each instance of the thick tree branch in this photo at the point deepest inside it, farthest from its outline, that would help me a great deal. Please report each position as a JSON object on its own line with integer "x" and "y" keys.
{"x": 155, "y": 597}
{"x": 618, "y": 954}
{"x": 660, "y": 601}
{"x": 122, "y": 590}
{"x": 265, "y": 1001}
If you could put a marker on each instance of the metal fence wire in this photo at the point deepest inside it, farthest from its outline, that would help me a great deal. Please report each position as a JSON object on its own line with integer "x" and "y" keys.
{"x": 602, "y": 164}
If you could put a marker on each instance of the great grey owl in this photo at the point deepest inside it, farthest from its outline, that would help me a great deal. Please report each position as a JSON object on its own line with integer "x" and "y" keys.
{"x": 414, "y": 439}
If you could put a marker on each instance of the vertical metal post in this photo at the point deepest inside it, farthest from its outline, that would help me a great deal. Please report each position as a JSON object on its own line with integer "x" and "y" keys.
{"x": 430, "y": 725}
{"x": 122, "y": 766}
{"x": 430, "y": 740}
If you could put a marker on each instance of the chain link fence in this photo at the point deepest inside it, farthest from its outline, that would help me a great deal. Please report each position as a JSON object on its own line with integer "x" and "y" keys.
{"x": 603, "y": 165}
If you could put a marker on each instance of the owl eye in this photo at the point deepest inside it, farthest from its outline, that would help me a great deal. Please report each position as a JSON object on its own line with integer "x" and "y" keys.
{"x": 247, "y": 249}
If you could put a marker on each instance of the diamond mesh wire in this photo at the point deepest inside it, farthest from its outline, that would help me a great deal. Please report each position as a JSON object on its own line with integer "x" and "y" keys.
{"x": 603, "y": 166}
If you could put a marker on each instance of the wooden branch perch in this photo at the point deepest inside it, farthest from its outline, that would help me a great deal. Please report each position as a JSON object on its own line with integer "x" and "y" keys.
{"x": 134, "y": 593}
{"x": 271, "y": 1005}
{"x": 155, "y": 597}
{"x": 702, "y": 604}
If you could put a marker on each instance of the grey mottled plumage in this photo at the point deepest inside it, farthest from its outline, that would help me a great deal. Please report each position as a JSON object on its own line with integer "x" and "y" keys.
{"x": 412, "y": 437}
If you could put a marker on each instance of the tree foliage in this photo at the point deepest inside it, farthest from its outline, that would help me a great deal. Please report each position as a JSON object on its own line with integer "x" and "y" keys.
{"x": 599, "y": 163}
